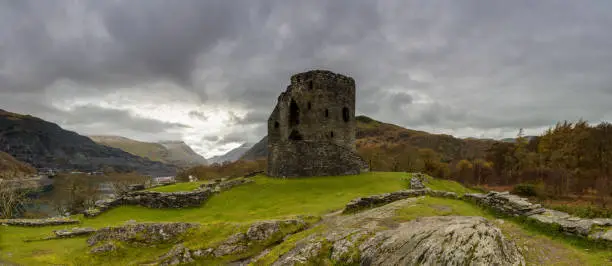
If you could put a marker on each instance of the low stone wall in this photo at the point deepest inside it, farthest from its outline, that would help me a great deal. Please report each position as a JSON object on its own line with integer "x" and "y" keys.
{"x": 38, "y": 222}
{"x": 166, "y": 200}
{"x": 382, "y": 199}
{"x": 504, "y": 203}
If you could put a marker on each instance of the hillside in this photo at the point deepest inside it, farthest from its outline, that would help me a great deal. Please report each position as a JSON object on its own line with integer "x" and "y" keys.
{"x": 11, "y": 168}
{"x": 383, "y": 137}
{"x": 44, "y": 144}
{"x": 171, "y": 152}
{"x": 232, "y": 155}
{"x": 274, "y": 221}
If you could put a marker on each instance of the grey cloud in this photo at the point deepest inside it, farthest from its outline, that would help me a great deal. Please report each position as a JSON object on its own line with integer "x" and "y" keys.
{"x": 89, "y": 114}
{"x": 199, "y": 115}
{"x": 448, "y": 64}
{"x": 211, "y": 138}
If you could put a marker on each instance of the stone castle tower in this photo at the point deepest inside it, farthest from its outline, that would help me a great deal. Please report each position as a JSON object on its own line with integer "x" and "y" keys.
{"x": 311, "y": 131}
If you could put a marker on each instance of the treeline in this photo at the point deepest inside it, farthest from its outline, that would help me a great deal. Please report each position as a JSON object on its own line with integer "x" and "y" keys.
{"x": 568, "y": 159}
{"x": 220, "y": 170}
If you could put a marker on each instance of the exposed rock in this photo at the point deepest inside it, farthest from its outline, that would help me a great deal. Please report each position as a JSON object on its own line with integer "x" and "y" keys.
{"x": 179, "y": 254}
{"x": 39, "y": 222}
{"x": 233, "y": 245}
{"x": 142, "y": 233}
{"x": 261, "y": 234}
{"x": 103, "y": 248}
{"x": 74, "y": 232}
{"x": 377, "y": 200}
{"x": 265, "y": 230}
{"x": 301, "y": 254}
{"x": 441, "y": 240}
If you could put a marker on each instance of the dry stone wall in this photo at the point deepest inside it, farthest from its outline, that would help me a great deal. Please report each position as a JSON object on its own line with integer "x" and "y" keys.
{"x": 599, "y": 229}
{"x": 166, "y": 200}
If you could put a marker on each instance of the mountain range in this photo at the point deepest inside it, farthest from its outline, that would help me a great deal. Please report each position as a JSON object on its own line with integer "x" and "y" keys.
{"x": 232, "y": 155}
{"x": 43, "y": 144}
{"x": 170, "y": 152}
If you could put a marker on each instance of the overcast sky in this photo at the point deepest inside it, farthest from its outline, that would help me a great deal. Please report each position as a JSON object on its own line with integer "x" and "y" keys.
{"x": 209, "y": 72}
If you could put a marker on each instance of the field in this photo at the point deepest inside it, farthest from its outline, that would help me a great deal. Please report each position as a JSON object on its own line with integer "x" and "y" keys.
{"x": 272, "y": 198}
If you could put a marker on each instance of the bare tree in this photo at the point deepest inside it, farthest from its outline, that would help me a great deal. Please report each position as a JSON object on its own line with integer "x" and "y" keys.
{"x": 13, "y": 198}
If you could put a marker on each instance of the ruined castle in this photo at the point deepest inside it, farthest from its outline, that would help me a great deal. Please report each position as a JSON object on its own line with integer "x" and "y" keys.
{"x": 311, "y": 131}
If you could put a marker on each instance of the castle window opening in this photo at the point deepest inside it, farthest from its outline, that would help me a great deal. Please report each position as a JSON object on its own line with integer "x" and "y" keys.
{"x": 276, "y": 124}
{"x": 294, "y": 114}
{"x": 295, "y": 135}
{"x": 331, "y": 134}
{"x": 345, "y": 114}
{"x": 326, "y": 113}
{"x": 309, "y": 105}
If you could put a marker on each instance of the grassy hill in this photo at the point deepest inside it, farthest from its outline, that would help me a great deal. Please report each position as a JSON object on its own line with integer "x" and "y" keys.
{"x": 171, "y": 152}
{"x": 272, "y": 198}
{"x": 11, "y": 168}
{"x": 373, "y": 134}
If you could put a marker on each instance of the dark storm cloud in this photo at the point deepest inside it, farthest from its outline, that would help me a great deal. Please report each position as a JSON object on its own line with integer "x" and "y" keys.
{"x": 474, "y": 65}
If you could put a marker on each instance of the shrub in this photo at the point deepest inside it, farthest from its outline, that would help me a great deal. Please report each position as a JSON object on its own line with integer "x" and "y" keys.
{"x": 527, "y": 190}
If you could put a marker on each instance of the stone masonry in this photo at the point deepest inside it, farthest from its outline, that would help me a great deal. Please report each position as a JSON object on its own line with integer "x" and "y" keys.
{"x": 311, "y": 131}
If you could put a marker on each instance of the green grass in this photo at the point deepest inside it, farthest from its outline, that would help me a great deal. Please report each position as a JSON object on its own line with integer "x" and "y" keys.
{"x": 448, "y": 185}
{"x": 266, "y": 198}
{"x": 429, "y": 206}
{"x": 271, "y": 198}
{"x": 187, "y": 186}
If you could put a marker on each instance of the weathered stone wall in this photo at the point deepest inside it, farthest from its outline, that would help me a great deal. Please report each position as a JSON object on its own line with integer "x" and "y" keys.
{"x": 306, "y": 158}
{"x": 315, "y": 115}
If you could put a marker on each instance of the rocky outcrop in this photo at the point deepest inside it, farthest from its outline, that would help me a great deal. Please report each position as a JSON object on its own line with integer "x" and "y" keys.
{"x": 258, "y": 235}
{"x": 39, "y": 222}
{"x": 447, "y": 240}
{"x": 371, "y": 237}
{"x": 139, "y": 234}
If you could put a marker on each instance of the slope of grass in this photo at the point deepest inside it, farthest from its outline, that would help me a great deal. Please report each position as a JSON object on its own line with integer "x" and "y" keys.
{"x": 266, "y": 198}
{"x": 272, "y": 198}
{"x": 186, "y": 186}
